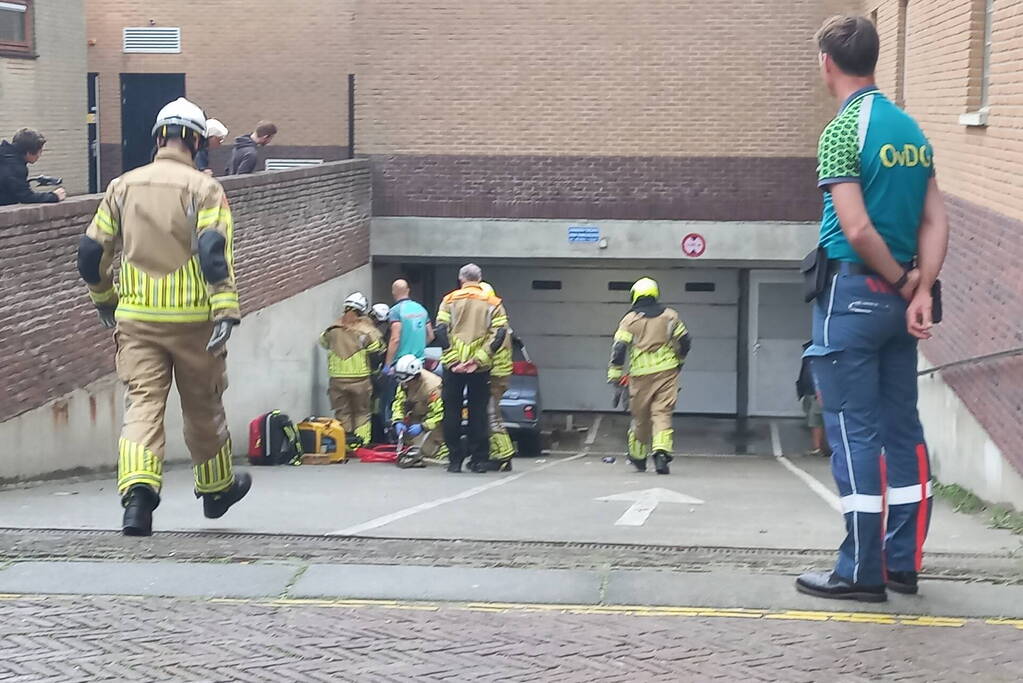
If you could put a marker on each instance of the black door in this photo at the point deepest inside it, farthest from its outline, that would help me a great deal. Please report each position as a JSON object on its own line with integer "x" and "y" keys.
{"x": 142, "y": 97}
{"x": 92, "y": 120}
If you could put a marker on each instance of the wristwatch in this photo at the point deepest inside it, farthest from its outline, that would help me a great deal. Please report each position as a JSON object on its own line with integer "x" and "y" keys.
{"x": 901, "y": 282}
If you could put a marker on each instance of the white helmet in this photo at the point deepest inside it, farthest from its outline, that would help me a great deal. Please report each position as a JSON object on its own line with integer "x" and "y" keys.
{"x": 381, "y": 312}
{"x": 407, "y": 367}
{"x": 182, "y": 113}
{"x": 356, "y": 301}
{"x": 215, "y": 129}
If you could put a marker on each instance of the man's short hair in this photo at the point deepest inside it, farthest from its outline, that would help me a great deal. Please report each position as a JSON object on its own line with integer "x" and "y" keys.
{"x": 28, "y": 141}
{"x": 470, "y": 272}
{"x": 851, "y": 42}
{"x": 264, "y": 128}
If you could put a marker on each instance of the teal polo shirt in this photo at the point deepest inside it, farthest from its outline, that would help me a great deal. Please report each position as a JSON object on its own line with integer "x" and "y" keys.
{"x": 874, "y": 143}
{"x": 413, "y": 319}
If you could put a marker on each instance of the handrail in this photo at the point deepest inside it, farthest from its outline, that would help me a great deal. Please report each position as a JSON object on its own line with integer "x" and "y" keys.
{"x": 975, "y": 359}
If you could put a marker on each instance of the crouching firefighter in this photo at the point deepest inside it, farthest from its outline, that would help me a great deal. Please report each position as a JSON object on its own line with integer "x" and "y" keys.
{"x": 174, "y": 308}
{"x": 352, "y": 353}
{"x": 656, "y": 343}
{"x": 418, "y": 411}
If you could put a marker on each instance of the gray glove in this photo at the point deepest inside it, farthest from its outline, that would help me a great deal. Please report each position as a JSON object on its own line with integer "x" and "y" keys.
{"x": 221, "y": 333}
{"x": 106, "y": 316}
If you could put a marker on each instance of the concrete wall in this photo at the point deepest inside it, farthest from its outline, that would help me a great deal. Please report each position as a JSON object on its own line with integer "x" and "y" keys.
{"x": 274, "y": 362}
{"x": 298, "y": 236}
{"x": 760, "y": 242}
{"x": 48, "y": 93}
{"x": 962, "y": 451}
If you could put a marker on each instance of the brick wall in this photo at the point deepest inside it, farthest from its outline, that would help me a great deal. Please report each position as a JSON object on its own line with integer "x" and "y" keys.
{"x": 293, "y": 230}
{"x": 244, "y": 60}
{"x": 48, "y": 93}
{"x": 592, "y": 107}
{"x": 979, "y": 170}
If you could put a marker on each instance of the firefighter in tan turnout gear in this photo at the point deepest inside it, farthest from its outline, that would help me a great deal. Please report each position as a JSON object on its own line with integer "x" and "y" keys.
{"x": 174, "y": 308}
{"x": 417, "y": 413}
{"x": 471, "y": 326}
{"x": 655, "y": 342}
{"x": 501, "y": 448}
{"x": 354, "y": 348}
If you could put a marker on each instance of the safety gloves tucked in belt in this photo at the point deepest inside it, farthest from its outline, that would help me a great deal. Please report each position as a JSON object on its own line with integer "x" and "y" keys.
{"x": 106, "y": 316}
{"x": 221, "y": 333}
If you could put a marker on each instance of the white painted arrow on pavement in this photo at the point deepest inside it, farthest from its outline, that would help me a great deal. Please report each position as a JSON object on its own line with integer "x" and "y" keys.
{"x": 646, "y": 501}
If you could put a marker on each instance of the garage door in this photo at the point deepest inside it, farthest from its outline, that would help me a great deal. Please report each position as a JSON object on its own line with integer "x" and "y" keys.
{"x": 567, "y": 317}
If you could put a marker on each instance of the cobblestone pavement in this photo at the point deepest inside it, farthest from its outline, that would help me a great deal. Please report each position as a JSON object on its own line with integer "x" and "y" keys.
{"x": 46, "y": 639}
{"x": 45, "y": 544}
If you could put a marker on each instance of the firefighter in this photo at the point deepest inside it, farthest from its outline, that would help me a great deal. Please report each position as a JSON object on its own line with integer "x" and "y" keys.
{"x": 174, "y": 309}
{"x": 656, "y": 343}
{"x": 417, "y": 412}
{"x": 501, "y": 448}
{"x": 471, "y": 327}
{"x": 352, "y": 352}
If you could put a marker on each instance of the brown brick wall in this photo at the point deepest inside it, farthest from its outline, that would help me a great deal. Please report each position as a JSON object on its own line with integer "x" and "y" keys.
{"x": 979, "y": 171}
{"x": 293, "y": 230}
{"x": 244, "y": 60}
{"x": 541, "y": 186}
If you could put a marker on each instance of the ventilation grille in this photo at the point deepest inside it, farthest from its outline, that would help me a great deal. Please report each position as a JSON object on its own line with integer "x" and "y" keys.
{"x": 152, "y": 40}
{"x": 285, "y": 164}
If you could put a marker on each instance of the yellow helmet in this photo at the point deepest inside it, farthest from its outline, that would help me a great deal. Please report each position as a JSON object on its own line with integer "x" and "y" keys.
{"x": 645, "y": 287}
{"x": 487, "y": 289}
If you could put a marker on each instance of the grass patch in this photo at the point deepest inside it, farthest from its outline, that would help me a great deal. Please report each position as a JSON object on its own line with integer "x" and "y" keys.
{"x": 965, "y": 500}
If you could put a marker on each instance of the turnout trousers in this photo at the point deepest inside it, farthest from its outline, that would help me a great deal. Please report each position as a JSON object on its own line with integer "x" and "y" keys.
{"x": 501, "y": 447}
{"x": 149, "y": 357}
{"x": 351, "y": 400}
{"x": 864, "y": 365}
{"x": 652, "y": 401}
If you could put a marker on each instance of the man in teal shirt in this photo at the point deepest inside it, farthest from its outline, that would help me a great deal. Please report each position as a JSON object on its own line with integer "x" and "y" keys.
{"x": 411, "y": 331}
{"x": 885, "y": 232}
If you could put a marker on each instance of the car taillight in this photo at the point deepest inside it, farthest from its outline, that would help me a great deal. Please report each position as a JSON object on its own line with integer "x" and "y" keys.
{"x": 529, "y": 412}
{"x": 524, "y": 367}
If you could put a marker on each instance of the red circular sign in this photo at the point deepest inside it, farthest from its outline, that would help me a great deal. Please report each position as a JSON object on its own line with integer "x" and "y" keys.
{"x": 693, "y": 245}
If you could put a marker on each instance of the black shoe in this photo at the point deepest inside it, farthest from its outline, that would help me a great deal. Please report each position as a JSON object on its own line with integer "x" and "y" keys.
{"x": 661, "y": 460}
{"x": 481, "y": 466}
{"x": 903, "y": 582}
{"x": 639, "y": 464}
{"x": 504, "y": 465}
{"x": 454, "y": 466}
{"x": 830, "y": 585}
{"x": 139, "y": 503}
{"x": 214, "y": 505}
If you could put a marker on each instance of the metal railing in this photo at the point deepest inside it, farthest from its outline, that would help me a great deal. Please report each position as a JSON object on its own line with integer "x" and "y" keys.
{"x": 1008, "y": 353}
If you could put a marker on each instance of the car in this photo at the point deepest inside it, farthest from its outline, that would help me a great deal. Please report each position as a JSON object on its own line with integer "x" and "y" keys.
{"x": 521, "y": 405}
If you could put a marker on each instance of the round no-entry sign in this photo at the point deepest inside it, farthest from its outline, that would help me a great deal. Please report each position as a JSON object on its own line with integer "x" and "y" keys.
{"x": 693, "y": 245}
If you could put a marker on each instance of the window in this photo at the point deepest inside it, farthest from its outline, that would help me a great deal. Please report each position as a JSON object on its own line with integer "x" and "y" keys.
{"x": 546, "y": 284}
{"x": 985, "y": 64}
{"x": 700, "y": 287}
{"x": 619, "y": 286}
{"x": 16, "y": 36}
{"x": 979, "y": 85}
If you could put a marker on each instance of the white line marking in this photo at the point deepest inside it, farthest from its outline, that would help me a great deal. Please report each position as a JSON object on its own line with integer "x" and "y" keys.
{"x": 807, "y": 478}
{"x": 592, "y": 436}
{"x": 645, "y": 502}
{"x": 423, "y": 507}
{"x": 637, "y": 513}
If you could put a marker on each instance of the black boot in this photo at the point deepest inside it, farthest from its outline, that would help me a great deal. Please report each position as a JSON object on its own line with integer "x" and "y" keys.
{"x": 638, "y": 463}
{"x": 830, "y": 585}
{"x": 661, "y": 460}
{"x": 139, "y": 503}
{"x": 504, "y": 465}
{"x": 214, "y": 505}
{"x": 903, "y": 582}
{"x": 480, "y": 466}
{"x": 454, "y": 466}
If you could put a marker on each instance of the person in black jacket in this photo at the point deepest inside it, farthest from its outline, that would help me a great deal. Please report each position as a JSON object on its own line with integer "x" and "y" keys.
{"x": 25, "y": 148}
{"x": 245, "y": 155}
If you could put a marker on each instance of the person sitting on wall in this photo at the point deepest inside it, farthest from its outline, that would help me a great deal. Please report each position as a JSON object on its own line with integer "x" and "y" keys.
{"x": 25, "y": 148}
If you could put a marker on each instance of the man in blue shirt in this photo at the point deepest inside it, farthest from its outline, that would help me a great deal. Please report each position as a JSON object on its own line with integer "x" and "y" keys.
{"x": 885, "y": 232}
{"x": 411, "y": 331}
